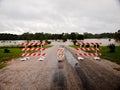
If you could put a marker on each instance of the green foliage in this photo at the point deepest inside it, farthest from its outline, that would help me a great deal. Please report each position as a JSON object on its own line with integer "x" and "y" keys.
{"x": 42, "y": 36}
{"x": 14, "y": 52}
{"x": 115, "y": 56}
{"x": 117, "y": 36}
{"x": 74, "y": 42}
{"x": 102, "y": 35}
{"x": 4, "y": 57}
{"x": 111, "y": 48}
{"x": 73, "y": 36}
{"x": 63, "y": 36}
{"x": 29, "y": 46}
{"x": 6, "y": 50}
{"x": 48, "y": 42}
{"x": 87, "y": 46}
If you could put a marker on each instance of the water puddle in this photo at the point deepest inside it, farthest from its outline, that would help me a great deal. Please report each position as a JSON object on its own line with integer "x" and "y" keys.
{"x": 70, "y": 58}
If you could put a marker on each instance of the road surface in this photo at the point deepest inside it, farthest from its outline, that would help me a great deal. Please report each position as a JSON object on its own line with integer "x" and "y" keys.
{"x": 53, "y": 75}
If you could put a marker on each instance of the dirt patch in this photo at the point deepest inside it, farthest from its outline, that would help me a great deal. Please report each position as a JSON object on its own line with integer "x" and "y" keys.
{"x": 118, "y": 69}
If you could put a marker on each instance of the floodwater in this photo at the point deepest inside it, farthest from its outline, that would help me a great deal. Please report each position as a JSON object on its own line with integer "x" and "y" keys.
{"x": 104, "y": 42}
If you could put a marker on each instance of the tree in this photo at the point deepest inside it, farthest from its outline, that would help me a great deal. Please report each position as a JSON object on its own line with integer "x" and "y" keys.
{"x": 88, "y": 35}
{"x": 73, "y": 36}
{"x": 117, "y": 36}
{"x": 80, "y": 37}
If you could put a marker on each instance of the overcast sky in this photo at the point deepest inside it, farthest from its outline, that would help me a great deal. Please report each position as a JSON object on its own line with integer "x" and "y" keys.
{"x": 57, "y": 16}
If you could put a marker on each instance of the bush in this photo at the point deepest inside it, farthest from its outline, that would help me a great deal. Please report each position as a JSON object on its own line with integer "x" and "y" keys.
{"x": 111, "y": 47}
{"x": 35, "y": 45}
{"x": 64, "y": 40}
{"x": 48, "y": 42}
{"x": 87, "y": 46}
{"x": 74, "y": 42}
{"x": 29, "y": 46}
{"x": 6, "y": 50}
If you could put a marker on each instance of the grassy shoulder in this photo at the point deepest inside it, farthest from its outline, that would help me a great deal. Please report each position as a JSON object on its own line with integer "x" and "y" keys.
{"x": 114, "y": 57}
{"x": 15, "y": 52}
{"x": 4, "y": 57}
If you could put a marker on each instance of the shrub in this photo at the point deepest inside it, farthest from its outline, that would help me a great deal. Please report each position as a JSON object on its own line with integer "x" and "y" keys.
{"x": 6, "y": 50}
{"x": 74, "y": 42}
{"x": 35, "y": 45}
{"x": 48, "y": 42}
{"x": 29, "y": 46}
{"x": 111, "y": 47}
{"x": 87, "y": 46}
{"x": 83, "y": 45}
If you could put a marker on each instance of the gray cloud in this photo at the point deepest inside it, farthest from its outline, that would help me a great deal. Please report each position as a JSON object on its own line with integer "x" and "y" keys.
{"x": 57, "y": 16}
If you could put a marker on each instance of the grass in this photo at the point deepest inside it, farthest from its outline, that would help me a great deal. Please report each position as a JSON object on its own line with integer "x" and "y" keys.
{"x": 15, "y": 52}
{"x": 114, "y": 57}
{"x": 4, "y": 57}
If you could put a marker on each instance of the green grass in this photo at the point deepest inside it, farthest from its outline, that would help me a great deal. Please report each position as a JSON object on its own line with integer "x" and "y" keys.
{"x": 15, "y": 52}
{"x": 4, "y": 57}
{"x": 47, "y": 46}
{"x": 114, "y": 57}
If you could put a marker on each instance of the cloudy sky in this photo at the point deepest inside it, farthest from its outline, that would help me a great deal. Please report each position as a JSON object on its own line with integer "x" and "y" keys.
{"x": 57, "y": 16}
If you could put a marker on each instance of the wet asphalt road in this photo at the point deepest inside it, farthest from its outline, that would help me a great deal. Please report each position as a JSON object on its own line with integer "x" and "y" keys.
{"x": 53, "y": 75}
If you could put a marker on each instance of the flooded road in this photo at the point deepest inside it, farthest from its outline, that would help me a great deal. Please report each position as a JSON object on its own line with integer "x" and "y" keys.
{"x": 104, "y": 42}
{"x": 50, "y": 74}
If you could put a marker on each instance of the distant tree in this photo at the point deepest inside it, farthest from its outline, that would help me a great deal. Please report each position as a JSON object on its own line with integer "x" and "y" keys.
{"x": 64, "y": 37}
{"x": 117, "y": 36}
{"x": 73, "y": 36}
{"x": 88, "y": 35}
{"x": 80, "y": 37}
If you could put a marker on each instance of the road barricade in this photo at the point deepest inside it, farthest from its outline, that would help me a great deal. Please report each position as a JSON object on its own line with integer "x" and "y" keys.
{"x": 60, "y": 54}
{"x": 85, "y": 46}
{"x": 32, "y": 49}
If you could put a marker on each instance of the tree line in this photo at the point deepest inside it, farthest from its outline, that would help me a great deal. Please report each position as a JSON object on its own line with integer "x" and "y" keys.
{"x": 41, "y": 36}
{"x": 62, "y": 36}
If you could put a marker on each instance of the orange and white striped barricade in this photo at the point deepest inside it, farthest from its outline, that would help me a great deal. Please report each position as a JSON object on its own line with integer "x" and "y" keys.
{"x": 60, "y": 50}
{"x": 78, "y": 51}
{"x": 42, "y": 57}
{"x": 60, "y": 54}
{"x": 96, "y": 48}
{"x": 36, "y": 51}
{"x": 88, "y": 54}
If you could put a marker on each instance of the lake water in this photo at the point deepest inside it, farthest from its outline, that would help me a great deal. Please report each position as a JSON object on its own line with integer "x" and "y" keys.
{"x": 104, "y": 42}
